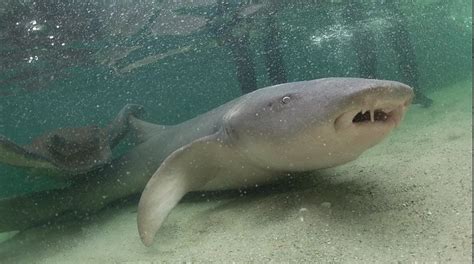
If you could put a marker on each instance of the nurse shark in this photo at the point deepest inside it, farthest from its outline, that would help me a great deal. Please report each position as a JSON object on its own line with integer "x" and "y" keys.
{"x": 257, "y": 138}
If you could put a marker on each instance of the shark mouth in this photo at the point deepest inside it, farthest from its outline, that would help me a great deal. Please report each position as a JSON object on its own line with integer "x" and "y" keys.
{"x": 371, "y": 116}
{"x": 386, "y": 115}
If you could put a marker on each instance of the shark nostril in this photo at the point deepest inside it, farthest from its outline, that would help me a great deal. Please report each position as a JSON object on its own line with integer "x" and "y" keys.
{"x": 361, "y": 117}
{"x": 378, "y": 115}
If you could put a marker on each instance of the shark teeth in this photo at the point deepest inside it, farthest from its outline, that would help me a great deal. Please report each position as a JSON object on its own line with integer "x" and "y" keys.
{"x": 372, "y": 113}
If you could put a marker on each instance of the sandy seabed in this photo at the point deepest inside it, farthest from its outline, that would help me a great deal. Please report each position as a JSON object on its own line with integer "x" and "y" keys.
{"x": 407, "y": 200}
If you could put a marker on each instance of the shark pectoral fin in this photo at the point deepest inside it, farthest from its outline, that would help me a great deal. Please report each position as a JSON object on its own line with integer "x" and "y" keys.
{"x": 186, "y": 169}
{"x": 15, "y": 155}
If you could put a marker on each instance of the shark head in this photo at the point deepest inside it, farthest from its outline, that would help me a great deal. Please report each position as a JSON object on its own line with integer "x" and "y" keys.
{"x": 315, "y": 124}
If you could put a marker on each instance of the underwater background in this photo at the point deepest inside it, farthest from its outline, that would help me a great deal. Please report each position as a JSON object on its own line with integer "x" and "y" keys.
{"x": 61, "y": 60}
{"x": 74, "y": 63}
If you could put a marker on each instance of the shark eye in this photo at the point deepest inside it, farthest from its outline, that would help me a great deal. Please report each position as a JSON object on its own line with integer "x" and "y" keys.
{"x": 285, "y": 99}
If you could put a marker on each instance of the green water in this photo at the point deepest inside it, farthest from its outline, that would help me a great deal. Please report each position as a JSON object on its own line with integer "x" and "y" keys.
{"x": 55, "y": 68}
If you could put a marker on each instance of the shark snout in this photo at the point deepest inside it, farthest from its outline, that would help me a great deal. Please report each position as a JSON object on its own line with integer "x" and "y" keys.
{"x": 383, "y": 105}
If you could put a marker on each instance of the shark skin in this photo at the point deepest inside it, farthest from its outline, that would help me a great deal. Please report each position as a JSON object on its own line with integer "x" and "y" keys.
{"x": 254, "y": 139}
